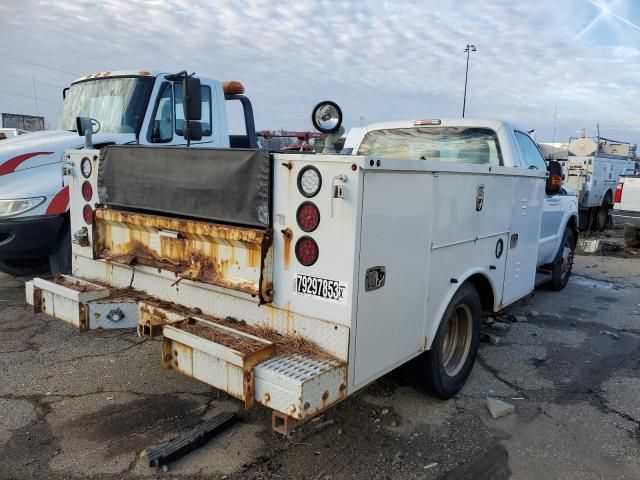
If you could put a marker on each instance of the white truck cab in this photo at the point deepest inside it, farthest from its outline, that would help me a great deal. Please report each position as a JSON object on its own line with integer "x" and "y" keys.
{"x": 487, "y": 142}
{"x": 303, "y": 278}
{"x": 125, "y": 107}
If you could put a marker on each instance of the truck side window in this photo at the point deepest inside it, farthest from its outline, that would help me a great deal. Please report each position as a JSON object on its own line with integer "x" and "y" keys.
{"x": 205, "y": 119}
{"x": 530, "y": 153}
{"x": 163, "y": 117}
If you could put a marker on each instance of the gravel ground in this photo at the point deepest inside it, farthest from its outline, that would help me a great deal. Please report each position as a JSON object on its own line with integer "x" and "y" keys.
{"x": 79, "y": 406}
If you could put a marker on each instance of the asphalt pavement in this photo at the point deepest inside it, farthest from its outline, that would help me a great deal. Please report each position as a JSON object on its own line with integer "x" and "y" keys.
{"x": 85, "y": 405}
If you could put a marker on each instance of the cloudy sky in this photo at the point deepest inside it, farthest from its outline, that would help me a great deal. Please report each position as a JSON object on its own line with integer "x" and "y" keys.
{"x": 380, "y": 60}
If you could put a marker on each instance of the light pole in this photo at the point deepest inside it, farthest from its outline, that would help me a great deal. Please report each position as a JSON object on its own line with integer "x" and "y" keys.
{"x": 470, "y": 48}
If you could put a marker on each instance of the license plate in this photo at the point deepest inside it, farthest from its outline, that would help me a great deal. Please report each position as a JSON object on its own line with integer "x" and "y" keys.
{"x": 321, "y": 288}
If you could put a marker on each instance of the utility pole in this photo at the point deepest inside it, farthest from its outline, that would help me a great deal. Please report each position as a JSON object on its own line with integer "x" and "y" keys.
{"x": 470, "y": 48}
{"x": 35, "y": 94}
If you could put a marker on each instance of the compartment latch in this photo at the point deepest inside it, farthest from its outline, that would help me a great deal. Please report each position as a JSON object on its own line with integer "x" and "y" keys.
{"x": 374, "y": 278}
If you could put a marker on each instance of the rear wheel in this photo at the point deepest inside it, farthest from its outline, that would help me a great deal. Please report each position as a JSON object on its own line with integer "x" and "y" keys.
{"x": 602, "y": 216}
{"x": 25, "y": 266}
{"x": 443, "y": 370}
{"x": 563, "y": 263}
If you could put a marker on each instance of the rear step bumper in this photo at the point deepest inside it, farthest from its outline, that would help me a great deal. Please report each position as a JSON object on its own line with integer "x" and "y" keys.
{"x": 296, "y": 385}
{"x": 83, "y": 304}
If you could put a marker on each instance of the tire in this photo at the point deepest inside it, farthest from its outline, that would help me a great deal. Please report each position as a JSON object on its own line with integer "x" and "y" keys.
{"x": 563, "y": 263}
{"x": 443, "y": 370}
{"x": 24, "y": 266}
{"x": 602, "y": 215}
{"x": 60, "y": 258}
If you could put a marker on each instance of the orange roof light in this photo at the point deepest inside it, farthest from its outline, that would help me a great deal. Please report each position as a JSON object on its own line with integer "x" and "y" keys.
{"x": 232, "y": 88}
{"x": 144, "y": 73}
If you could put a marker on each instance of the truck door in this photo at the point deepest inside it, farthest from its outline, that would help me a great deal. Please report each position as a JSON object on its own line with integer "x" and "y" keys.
{"x": 552, "y": 213}
{"x": 167, "y": 119}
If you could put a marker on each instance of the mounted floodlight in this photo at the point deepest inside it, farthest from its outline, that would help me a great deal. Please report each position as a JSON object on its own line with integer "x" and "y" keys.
{"x": 327, "y": 117}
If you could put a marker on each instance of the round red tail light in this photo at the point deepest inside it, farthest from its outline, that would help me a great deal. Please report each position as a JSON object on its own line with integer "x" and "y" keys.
{"x": 308, "y": 216}
{"x": 87, "y": 213}
{"x": 87, "y": 190}
{"x": 307, "y": 251}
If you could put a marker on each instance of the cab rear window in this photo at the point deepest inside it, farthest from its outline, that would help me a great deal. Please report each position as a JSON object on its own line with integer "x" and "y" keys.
{"x": 445, "y": 144}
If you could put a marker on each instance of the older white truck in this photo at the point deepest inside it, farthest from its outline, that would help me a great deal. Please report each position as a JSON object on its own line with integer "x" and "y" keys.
{"x": 592, "y": 167}
{"x": 126, "y": 107}
{"x": 295, "y": 280}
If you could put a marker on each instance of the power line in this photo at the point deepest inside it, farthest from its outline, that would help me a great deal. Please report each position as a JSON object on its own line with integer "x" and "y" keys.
{"x": 31, "y": 97}
{"x": 40, "y": 65}
{"x": 27, "y": 79}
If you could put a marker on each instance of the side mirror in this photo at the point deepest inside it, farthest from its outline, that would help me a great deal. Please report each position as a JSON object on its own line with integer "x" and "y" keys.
{"x": 193, "y": 131}
{"x": 192, "y": 99}
{"x": 86, "y": 127}
{"x": 554, "y": 178}
{"x": 192, "y": 104}
{"x": 87, "y": 124}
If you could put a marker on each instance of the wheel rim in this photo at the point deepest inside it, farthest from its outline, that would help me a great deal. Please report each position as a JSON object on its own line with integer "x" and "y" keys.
{"x": 567, "y": 260}
{"x": 457, "y": 340}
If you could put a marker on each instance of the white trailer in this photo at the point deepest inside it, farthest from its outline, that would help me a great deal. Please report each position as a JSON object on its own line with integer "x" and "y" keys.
{"x": 592, "y": 166}
{"x": 295, "y": 280}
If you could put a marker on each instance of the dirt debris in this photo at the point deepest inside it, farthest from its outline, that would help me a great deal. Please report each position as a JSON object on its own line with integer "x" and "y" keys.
{"x": 74, "y": 285}
{"x": 241, "y": 344}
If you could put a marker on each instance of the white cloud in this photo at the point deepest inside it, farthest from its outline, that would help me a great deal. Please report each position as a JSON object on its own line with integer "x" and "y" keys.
{"x": 380, "y": 60}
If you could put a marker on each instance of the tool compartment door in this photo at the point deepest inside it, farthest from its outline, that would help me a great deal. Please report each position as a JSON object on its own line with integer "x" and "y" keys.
{"x": 394, "y": 241}
{"x": 524, "y": 237}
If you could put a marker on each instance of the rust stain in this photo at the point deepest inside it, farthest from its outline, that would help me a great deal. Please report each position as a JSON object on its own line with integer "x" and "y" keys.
{"x": 198, "y": 251}
{"x": 230, "y": 233}
{"x": 325, "y": 399}
{"x": 253, "y": 258}
{"x": 287, "y": 235}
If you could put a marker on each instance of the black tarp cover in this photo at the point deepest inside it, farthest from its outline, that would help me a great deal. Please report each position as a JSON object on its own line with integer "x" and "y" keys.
{"x": 222, "y": 185}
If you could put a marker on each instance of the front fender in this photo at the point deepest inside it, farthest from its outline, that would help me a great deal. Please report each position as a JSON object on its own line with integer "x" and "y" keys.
{"x": 43, "y": 181}
{"x": 570, "y": 216}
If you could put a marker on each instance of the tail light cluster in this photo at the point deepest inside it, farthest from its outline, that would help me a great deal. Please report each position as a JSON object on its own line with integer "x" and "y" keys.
{"x": 308, "y": 215}
{"x": 87, "y": 190}
{"x": 617, "y": 196}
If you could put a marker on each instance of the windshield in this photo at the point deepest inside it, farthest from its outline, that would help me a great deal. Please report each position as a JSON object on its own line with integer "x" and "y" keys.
{"x": 446, "y": 144}
{"x": 119, "y": 104}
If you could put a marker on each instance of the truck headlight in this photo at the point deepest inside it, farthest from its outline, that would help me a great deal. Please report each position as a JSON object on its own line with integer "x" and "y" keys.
{"x": 9, "y": 208}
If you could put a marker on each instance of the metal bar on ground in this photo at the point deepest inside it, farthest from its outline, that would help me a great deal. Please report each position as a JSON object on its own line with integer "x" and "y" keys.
{"x": 178, "y": 447}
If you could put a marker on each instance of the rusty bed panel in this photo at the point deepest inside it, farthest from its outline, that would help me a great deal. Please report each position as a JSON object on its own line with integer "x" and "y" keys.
{"x": 231, "y": 257}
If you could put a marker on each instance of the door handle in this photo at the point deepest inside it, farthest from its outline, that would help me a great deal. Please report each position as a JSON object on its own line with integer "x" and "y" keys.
{"x": 374, "y": 278}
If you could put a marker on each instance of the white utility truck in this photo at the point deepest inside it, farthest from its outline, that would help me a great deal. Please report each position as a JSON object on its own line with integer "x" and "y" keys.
{"x": 294, "y": 280}
{"x": 410, "y": 140}
{"x": 592, "y": 166}
{"x": 125, "y": 107}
